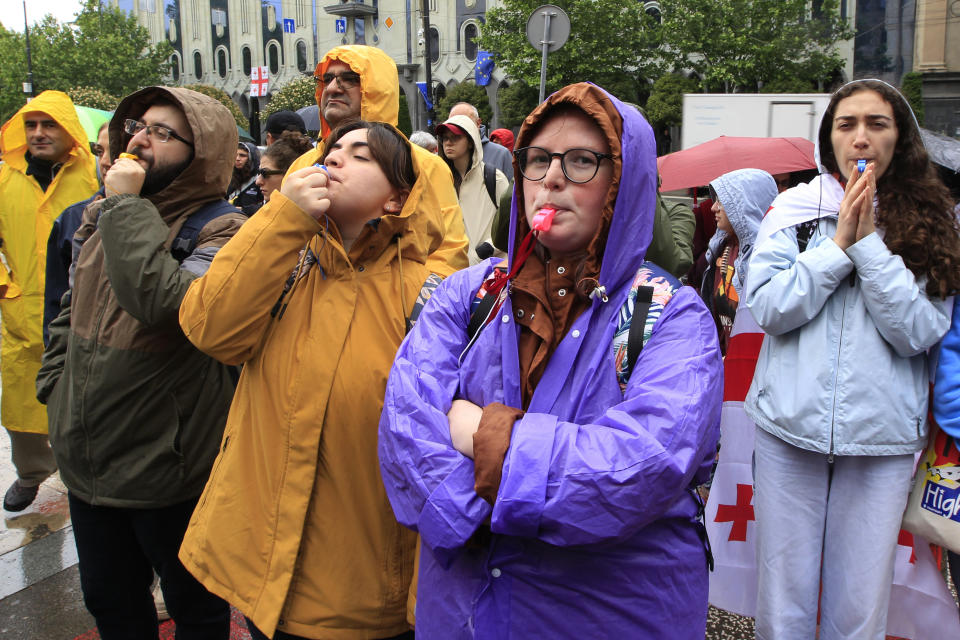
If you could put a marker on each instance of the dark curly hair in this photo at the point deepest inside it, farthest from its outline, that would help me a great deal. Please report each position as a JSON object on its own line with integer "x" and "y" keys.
{"x": 914, "y": 206}
{"x": 287, "y": 148}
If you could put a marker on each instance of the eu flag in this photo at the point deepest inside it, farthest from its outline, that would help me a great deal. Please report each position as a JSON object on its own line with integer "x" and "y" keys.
{"x": 484, "y": 68}
{"x": 426, "y": 96}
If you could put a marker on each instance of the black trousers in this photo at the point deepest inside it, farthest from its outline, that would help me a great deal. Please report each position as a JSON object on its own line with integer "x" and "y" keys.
{"x": 256, "y": 634}
{"x": 119, "y": 549}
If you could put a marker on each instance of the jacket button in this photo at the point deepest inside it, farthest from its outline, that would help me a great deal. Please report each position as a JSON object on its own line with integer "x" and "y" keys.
{"x": 505, "y": 319}
{"x": 575, "y": 333}
{"x": 495, "y": 573}
{"x": 561, "y": 270}
{"x": 562, "y": 292}
{"x": 519, "y": 313}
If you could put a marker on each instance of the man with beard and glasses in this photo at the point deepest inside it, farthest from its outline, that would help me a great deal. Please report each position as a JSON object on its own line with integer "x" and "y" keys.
{"x": 47, "y": 166}
{"x": 136, "y": 412}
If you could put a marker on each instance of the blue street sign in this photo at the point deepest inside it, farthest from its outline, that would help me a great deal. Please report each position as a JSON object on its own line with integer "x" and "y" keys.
{"x": 288, "y": 25}
{"x": 341, "y": 25}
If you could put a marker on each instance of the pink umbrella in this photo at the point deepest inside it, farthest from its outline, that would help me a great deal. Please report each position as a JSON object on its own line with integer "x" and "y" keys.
{"x": 697, "y": 166}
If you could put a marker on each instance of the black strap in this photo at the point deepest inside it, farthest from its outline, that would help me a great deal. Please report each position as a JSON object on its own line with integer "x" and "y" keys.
{"x": 490, "y": 180}
{"x": 186, "y": 241}
{"x": 804, "y": 233}
{"x": 638, "y": 322}
{"x": 479, "y": 315}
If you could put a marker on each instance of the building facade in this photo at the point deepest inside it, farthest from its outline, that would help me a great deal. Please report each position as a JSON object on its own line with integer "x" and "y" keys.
{"x": 219, "y": 42}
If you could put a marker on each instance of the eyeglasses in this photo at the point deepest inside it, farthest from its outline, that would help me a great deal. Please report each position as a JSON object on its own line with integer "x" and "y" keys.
{"x": 266, "y": 173}
{"x": 345, "y": 79}
{"x": 156, "y": 131}
{"x": 578, "y": 165}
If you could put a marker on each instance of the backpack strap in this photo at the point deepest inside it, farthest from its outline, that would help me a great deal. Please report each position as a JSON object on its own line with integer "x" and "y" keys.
{"x": 429, "y": 286}
{"x": 804, "y": 233}
{"x": 186, "y": 241}
{"x": 482, "y": 305}
{"x": 651, "y": 291}
{"x": 490, "y": 180}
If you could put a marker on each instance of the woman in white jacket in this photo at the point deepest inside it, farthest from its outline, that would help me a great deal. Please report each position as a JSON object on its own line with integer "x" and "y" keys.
{"x": 849, "y": 280}
{"x": 460, "y": 147}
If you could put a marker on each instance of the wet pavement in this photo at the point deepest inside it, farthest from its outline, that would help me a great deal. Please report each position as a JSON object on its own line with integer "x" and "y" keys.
{"x": 40, "y": 595}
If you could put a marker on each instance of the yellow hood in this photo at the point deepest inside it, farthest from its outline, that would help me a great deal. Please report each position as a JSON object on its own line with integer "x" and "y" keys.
{"x": 57, "y": 105}
{"x": 379, "y": 83}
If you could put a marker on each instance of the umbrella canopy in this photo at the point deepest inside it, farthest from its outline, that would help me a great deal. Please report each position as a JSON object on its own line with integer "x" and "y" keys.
{"x": 244, "y": 135}
{"x": 697, "y": 166}
{"x": 91, "y": 120}
{"x": 943, "y": 150}
{"x": 311, "y": 117}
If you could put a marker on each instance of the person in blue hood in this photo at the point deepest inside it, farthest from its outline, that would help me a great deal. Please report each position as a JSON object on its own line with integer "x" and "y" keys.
{"x": 552, "y": 499}
{"x": 740, "y": 198}
{"x": 849, "y": 279}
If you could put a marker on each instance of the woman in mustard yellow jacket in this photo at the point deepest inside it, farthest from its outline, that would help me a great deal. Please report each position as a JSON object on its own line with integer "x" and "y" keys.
{"x": 294, "y": 527}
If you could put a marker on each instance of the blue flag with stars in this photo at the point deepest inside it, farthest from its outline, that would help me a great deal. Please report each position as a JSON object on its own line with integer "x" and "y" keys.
{"x": 426, "y": 97}
{"x": 484, "y": 69}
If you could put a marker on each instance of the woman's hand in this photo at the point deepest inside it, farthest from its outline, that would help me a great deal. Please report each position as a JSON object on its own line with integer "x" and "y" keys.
{"x": 464, "y": 417}
{"x": 865, "y": 224}
{"x": 307, "y": 188}
{"x": 848, "y": 219}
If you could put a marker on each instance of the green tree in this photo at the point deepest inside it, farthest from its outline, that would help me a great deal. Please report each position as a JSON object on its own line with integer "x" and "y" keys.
{"x": 516, "y": 102}
{"x": 742, "y": 45}
{"x": 224, "y": 98}
{"x": 465, "y": 92}
{"x": 104, "y": 48}
{"x": 612, "y": 43}
{"x": 403, "y": 122}
{"x": 294, "y": 95}
{"x": 912, "y": 87}
{"x": 665, "y": 106}
{"x": 93, "y": 97}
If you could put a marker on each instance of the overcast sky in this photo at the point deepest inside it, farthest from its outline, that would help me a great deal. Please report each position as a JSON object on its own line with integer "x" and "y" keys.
{"x": 62, "y": 10}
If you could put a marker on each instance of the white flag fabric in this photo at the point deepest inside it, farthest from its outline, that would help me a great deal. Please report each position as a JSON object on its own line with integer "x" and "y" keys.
{"x": 921, "y": 607}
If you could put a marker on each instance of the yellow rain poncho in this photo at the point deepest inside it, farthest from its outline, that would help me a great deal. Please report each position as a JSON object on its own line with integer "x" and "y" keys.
{"x": 26, "y": 217}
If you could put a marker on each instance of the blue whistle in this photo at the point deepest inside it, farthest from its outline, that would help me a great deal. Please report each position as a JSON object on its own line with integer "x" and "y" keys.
{"x": 322, "y": 166}
{"x": 861, "y": 165}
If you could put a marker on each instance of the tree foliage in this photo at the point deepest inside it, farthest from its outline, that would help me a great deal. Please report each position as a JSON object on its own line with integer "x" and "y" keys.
{"x": 294, "y": 95}
{"x": 741, "y": 45}
{"x": 665, "y": 106}
{"x": 465, "y": 92}
{"x": 224, "y": 98}
{"x": 93, "y": 97}
{"x": 103, "y": 48}
{"x": 912, "y": 87}
{"x": 516, "y": 102}
{"x": 612, "y": 43}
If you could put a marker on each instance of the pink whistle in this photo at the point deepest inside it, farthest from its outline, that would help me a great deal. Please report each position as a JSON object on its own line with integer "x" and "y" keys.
{"x": 543, "y": 219}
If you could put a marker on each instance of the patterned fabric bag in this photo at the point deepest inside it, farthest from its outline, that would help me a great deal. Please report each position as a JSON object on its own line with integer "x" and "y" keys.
{"x": 933, "y": 510}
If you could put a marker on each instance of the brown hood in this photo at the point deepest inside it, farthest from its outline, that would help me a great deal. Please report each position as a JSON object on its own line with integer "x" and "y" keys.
{"x": 215, "y": 141}
{"x": 593, "y": 101}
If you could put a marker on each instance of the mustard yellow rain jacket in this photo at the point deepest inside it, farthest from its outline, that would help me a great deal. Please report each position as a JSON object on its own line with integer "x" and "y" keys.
{"x": 26, "y": 217}
{"x": 380, "y": 102}
{"x": 294, "y": 527}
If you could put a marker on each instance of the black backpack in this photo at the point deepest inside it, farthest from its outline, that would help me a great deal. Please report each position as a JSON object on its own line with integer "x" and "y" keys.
{"x": 186, "y": 241}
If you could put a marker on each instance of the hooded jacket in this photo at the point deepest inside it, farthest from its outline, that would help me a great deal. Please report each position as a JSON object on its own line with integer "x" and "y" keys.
{"x": 858, "y": 323}
{"x": 246, "y": 195}
{"x": 380, "y": 102}
{"x": 27, "y": 213}
{"x": 593, "y": 530}
{"x": 136, "y": 412}
{"x": 294, "y": 528}
{"x": 478, "y": 209}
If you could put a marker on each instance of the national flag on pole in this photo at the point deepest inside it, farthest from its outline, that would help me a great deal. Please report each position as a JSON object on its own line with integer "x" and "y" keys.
{"x": 484, "y": 68}
{"x": 426, "y": 95}
{"x": 920, "y": 604}
{"x": 259, "y": 82}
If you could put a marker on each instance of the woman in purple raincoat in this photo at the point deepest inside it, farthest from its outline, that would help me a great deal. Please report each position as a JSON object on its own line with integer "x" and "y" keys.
{"x": 550, "y": 503}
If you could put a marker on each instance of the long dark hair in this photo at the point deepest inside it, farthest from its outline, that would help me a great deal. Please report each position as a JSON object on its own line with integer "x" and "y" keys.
{"x": 914, "y": 207}
{"x": 287, "y": 148}
{"x": 388, "y": 147}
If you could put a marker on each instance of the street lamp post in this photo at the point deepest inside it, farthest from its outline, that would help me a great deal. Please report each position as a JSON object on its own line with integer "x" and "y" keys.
{"x": 28, "y": 85}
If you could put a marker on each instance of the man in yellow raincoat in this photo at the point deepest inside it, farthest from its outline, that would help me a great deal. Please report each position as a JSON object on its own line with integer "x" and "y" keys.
{"x": 362, "y": 83}
{"x": 47, "y": 167}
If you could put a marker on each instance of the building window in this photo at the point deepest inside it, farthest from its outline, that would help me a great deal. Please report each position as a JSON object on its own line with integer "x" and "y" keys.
{"x": 247, "y": 61}
{"x": 175, "y": 68}
{"x": 218, "y": 17}
{"x": 434, "y": 45}
{"x": 273, "y": 57}
{"x": 197, "y": 65}
{"x": 301, "y": 56}
{"x": 222, "y": 64}
{"x": 359, "y": 35}
{"x": 470, "y": 33}
{"x": 148, "y": 6}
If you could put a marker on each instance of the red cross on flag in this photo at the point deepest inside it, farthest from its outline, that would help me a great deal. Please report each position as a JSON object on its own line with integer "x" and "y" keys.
{"x": 259, "y": 82}
{"x": 921, "y": 607}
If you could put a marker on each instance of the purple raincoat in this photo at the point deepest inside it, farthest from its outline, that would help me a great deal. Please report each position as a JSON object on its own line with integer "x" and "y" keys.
{"x": 594, "y": 528}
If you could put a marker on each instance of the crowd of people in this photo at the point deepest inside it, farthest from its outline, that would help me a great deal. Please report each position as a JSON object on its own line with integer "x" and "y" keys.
{"x": 457, "y": 388}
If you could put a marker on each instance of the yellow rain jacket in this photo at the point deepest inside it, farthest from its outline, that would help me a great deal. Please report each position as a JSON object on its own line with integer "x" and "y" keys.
{"x": 294, "y": 527}
{"x": 26, "y": 217}
{"x": 380, "y": 102}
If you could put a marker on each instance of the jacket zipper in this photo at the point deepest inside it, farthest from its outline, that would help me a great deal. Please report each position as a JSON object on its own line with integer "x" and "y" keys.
{"x": 836, "y": 377}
